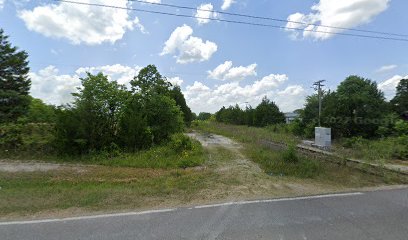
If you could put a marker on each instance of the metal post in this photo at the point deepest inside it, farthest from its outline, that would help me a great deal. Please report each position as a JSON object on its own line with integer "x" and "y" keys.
{"x": 318, "y": 86}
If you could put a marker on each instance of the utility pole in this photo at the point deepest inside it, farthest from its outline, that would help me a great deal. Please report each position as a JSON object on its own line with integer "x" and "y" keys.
{"x": 318, "y": 87}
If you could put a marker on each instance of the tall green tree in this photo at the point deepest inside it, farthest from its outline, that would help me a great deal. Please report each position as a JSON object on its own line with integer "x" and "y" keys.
{"x": 92, "y": 122}
{"x": 356, "y": 108}
{"x": 400, "y": 101}
{"x": 152, "y": 93}
{"x": 14, "y": 81}
{"x": 178, "y": 96}
{"x": 267, "y": 113}
{"x": 149, "y": 81}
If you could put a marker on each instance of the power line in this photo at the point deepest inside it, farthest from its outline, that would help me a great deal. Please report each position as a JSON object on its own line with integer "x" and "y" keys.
{"x": 269, "y": 18}
{"x": 234, "y": 21}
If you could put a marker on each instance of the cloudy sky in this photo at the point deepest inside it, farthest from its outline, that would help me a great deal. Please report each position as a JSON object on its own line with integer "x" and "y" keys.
{"x": 216, "y": 63}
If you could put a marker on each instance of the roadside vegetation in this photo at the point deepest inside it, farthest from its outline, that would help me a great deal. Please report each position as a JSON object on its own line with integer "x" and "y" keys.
{"x": 364, "y": 125}
{"x": 123, "y": 147}
{"x": 280, "y": 161}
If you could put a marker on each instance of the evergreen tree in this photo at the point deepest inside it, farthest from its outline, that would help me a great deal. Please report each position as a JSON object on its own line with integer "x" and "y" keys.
{"x": 14, "y": 81}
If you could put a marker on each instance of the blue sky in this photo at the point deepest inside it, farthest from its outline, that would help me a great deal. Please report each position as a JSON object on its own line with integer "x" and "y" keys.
{"x": 216, "y": 63}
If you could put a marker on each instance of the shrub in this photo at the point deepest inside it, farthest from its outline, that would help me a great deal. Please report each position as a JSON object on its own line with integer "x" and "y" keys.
{"x": 11, "y": 136}
{"x": 401, "y": 127}
{"x": 290, "y": 155}
{"x": 181, "y": 143}
{"x": 353, "y": 142}
{"x": 401, "y": 152}
{"x": 32, "y": 137}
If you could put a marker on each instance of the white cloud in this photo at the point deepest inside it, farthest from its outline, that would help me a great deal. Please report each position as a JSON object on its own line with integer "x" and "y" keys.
{"x": 52, "y": 87}
{"x": 55, "y": 88}
{"x": 227, "y": 4}
{"x": 80, "y": 23}
{"x": 204, "y": 12}
{"x": 189, "y": 48}
{"x": 386, "y": 68}
{"x": 122, "y": 74}
{"x": 2, "y": 4}
{"x": 225, "y": 71}
{"x": 175, "y": 81}
{"x": 344, "y": 14}
{"x": 202, "y": 98}
{"x": 389, "y": 86}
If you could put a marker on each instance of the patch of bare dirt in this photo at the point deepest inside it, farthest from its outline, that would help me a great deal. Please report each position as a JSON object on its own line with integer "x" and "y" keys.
{"x": 17, "y": 166}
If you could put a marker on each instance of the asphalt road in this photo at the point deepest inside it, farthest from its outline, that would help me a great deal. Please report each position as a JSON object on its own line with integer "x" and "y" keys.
{"x": 369, "y": 215}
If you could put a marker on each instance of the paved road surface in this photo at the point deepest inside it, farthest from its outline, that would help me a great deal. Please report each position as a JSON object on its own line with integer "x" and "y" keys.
{"x": 371, "y": 215}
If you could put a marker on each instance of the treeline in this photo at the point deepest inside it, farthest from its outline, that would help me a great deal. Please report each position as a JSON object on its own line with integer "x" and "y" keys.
{"x": 266, "y": 113}
{"x": 104, "y": 116}
{"x": 356, "y": 109}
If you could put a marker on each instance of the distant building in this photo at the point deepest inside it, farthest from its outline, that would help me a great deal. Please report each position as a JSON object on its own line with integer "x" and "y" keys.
{"x": 291, "y": 116}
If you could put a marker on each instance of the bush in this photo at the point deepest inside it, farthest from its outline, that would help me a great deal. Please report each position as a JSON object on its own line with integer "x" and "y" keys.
{"x": 353, "y": 142}
{"x": 290, "y": 155}
{"x": 181, "y": 143}
{"x": 11, "y": 136}
{"x": 401, "y": 127}
{"x": 402, "y": 151}
{"x": 32, "y": 137}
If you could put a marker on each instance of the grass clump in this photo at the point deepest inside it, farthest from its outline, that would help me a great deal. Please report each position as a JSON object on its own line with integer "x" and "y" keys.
{"x": 374, "y": 150}
{"x": 285, "y": 163}
{"x": 180, "y": 152}
{"x": 289, "y": 155}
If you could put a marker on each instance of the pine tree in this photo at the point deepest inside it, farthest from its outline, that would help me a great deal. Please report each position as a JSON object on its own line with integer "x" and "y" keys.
{"x": 14, "y": 81}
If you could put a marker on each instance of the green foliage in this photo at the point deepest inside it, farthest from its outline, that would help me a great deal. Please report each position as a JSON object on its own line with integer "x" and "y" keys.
{"x": 231, "y": 115}
{"x": 401, "y": 127}
{"x": 164, "y": 117}
{"x": 203, "y": 116}
{"x": 375, "y": 150}
{"x": 275, "y": 164}
{"x": 266, "y": 113}
{"x": 134, "y": 130}
{"x": 149, "y": 82}
{"x": 33, "y": 137}
{"x": 160, "y": 156}
{"x": 14, "y": 81}
{"x": 11, "y": 136}
{"x": 297, "y": 127}
{"x": 181, "y": 143}
{"x": 387, "y": 126}
{"x": 178, "y": 96}
{"x": 92, "y": 122}
{"x": 400, "y": 101}
{"x": 290, "y": 155}
{"x": 356, "y": 108}
{"x": 39, "y": 112}
{"x": 105, "y": 114}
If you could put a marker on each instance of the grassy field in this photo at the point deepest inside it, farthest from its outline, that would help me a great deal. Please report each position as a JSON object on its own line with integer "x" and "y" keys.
{"x": 247, "y": 134}
{"x": 384, "y": 150}
{"x": 162, "y": 177}
{"x": 161, "y": 156}
{"x": 289, "y": 163}
{"x": 95, "y": 189}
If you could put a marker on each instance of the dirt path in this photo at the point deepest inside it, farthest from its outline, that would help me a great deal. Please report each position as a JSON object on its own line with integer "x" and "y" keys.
{"x": 243, "y": 179}
{"x": 20, "y": 166}
{"x": 238, "y": 163}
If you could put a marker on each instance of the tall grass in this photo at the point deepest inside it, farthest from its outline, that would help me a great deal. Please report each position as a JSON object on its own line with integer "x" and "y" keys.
{"x": 248, "y": 134}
